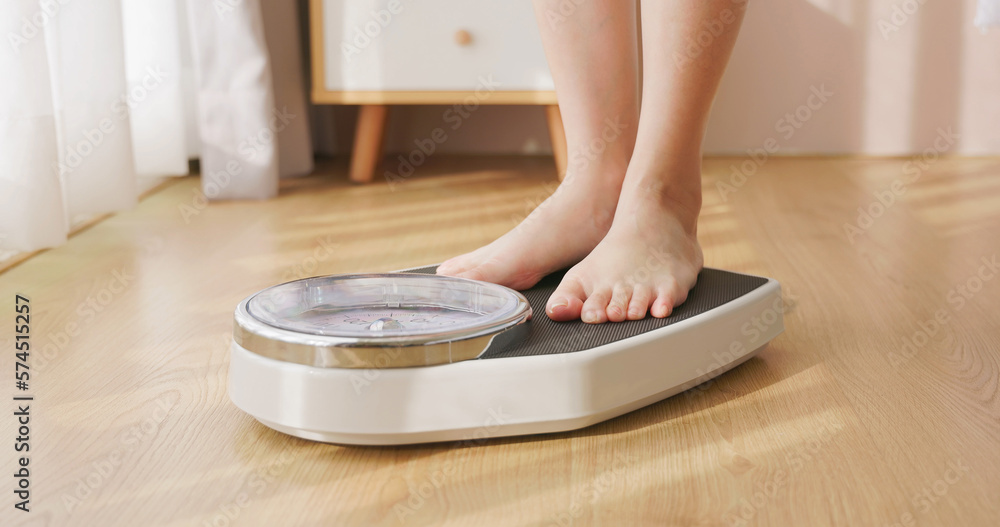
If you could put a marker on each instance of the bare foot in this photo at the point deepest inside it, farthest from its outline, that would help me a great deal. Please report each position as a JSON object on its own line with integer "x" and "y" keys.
{"x": 558, "y": 233}
{"x": 648, "y": 261}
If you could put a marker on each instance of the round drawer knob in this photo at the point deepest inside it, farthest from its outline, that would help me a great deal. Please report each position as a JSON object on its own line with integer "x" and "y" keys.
{"x": 463, "y": 37}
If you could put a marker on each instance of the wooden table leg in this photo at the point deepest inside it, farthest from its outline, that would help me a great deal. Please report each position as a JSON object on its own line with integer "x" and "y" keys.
{"x": 558, "y": 136}
{"x": 368, "y": 138}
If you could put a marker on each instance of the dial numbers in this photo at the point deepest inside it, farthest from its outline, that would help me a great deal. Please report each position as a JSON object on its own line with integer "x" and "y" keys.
{"x": 383, "y": 319}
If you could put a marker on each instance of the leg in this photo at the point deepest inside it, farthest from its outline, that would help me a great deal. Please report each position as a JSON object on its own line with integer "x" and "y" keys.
{"x": 558, "y": 135}
{"x": 592, "y": 53}
{"x": 368, "y": 142}
{"x": 650, "y": 258}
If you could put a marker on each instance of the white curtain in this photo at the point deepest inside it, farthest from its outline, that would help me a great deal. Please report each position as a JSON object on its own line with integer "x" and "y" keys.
{"x": 100, "y": 99}
{"x": 988, "y": 13}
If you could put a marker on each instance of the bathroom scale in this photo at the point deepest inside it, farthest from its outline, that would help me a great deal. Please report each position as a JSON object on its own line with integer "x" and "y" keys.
{"x": 413, "y": 357}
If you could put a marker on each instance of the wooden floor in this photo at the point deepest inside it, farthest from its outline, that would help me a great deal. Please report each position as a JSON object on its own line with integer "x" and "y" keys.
{"x": 838, "y": 422}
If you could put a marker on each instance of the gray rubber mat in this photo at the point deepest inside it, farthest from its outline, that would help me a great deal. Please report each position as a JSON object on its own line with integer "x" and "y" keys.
{"x": 545, "y": 337}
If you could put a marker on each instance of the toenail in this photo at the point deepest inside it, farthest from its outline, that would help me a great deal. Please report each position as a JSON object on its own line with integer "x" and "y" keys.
{"x": 557, "y": 305}
{"x": 589, "y": 316}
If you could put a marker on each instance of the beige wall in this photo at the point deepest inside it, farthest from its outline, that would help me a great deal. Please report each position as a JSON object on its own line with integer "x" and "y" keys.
{"x": 890, "y": 95}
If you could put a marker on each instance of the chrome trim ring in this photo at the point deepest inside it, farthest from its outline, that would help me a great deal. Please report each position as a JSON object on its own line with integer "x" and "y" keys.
{"x": 327, "y": 351}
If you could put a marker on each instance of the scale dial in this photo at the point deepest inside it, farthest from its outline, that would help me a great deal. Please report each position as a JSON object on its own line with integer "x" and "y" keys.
{"x": 377, "y": 320}
{"x": 354, "y": 320}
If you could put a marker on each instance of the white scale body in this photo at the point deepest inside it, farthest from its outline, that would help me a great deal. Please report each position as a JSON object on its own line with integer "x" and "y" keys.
{"x": 379, "y": 404}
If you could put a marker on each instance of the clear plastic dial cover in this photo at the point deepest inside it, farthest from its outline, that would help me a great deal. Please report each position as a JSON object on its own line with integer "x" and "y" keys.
{"x": 387, "y": 305}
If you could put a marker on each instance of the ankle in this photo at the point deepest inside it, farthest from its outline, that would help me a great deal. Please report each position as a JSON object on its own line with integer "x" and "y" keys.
{"x": 600, "y": 156}
{"x": 676, "y": 195}
{"x": 682, "y": 196}
{"x": 598, "y": 183}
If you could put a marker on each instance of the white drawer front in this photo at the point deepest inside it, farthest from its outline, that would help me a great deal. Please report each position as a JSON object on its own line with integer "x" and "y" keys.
{"x": 410, "y": 45}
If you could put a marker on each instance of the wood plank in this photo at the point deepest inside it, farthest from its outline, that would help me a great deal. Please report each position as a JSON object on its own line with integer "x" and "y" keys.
{"x": 834, "y": 424}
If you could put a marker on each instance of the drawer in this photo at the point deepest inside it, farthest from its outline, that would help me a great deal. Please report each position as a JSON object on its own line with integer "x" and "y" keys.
{"x": 411, "y": 45}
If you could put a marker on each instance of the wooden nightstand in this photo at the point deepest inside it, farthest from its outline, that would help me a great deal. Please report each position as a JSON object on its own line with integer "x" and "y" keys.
{"x": 376, "y": 53}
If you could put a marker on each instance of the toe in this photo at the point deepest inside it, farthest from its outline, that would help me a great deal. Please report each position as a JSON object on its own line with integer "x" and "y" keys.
{"x": 566, "y": 302}
{"x": 667, "y": 297}
{"x": 664, "y": 302}
{"x": 662, "y": 306}
{"x": 500, "y": 272}
{"x": 618, "y": 306}
{"x": 453, "y": 266}
{"x": 486, "y": 271}
{"x": 641, "y": 297}
{"x": 475, "y": 273}
{"x": 596, "y": 306}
